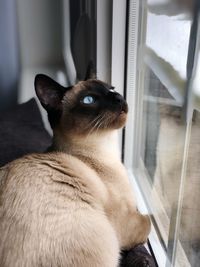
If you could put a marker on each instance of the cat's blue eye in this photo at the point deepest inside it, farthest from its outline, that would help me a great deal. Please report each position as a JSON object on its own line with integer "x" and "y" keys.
{"x": 88, "y": 100}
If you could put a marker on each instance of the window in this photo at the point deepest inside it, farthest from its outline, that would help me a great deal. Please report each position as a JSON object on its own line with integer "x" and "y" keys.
{"x": 162, "y": 147}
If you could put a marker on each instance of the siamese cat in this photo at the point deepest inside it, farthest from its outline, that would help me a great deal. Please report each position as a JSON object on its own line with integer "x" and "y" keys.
{"x": 72, "y": 206}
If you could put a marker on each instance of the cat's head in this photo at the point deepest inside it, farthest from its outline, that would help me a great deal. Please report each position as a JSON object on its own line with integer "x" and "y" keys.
{"x": 89, "y": 106}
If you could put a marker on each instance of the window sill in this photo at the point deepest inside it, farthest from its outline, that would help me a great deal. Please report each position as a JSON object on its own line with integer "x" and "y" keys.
{"x": 159, "y": 252}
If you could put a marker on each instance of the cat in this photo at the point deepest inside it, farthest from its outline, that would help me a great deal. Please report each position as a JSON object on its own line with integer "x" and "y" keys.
{"x": 73, "y": 205}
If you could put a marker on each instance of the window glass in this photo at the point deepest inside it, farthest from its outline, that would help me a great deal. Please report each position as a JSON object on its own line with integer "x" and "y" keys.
{"x": 189, "y": 233}
{"x": 165, "y": 37}
{"x": 163, "y": 141}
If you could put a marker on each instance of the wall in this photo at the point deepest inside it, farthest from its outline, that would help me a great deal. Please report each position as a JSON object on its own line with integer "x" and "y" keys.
{"x": 9, "y": 60}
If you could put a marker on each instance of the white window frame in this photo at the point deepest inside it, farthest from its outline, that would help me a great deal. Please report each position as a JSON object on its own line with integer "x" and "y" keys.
{"x": 131, "y": 136}
{"x": 118, "y": 76}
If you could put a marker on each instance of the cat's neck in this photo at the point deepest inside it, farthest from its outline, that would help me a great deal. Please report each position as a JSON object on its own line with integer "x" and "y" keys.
{"x": 101, "y": 147}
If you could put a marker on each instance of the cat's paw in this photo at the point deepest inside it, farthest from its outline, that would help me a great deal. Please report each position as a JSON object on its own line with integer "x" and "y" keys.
{"x": 144, "y": 228}
{"x": 147, "y": 227}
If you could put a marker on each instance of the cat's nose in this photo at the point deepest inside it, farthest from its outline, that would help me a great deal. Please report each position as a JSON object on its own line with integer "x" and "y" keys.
{"x": 116, "y": 97}
{"x": 119, "y": 100}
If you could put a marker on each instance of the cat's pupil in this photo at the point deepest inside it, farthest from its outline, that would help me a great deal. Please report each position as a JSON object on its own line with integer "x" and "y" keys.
{"x": 88, "y": 100}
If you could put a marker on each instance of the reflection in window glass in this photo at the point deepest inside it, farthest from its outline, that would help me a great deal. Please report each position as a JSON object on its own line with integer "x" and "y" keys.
{"x": 173, "y": 44}
{"x": 189, "y": 234}
{"x": 164, "y": 140}
{"x": 167, "y": 33}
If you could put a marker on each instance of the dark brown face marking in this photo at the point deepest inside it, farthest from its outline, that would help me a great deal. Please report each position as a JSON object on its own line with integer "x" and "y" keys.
{"x": 88, "y": 106}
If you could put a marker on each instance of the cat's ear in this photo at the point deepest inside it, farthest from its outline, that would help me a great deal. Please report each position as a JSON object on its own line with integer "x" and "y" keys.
{"x": 90, "y": 72}
{"x": 49, "y": 92}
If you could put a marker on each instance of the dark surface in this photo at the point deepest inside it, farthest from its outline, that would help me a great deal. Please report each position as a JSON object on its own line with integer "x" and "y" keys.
{"x": 22, "y": 132}
{"x": 137, "y": 257}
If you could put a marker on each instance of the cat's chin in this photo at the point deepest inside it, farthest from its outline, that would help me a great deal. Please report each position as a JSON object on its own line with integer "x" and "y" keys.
{"x": 119, "y": 121}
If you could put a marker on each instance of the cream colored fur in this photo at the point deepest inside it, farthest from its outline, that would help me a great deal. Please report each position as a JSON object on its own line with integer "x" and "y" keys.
{"x": 69, "y": 208}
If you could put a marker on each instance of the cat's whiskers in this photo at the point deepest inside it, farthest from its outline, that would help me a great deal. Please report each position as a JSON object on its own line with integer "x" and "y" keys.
{"x": 110, "y": 119}
{"x": 93, "y": 127}
{"x": 99, "y": 121}
{"x": 95, "y": 121}
{"x": 92, "y": 122}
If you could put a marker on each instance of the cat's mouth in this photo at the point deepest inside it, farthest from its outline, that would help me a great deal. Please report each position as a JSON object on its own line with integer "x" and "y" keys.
{"x": 124, "y": 108}
{"x": 120, "y": 117}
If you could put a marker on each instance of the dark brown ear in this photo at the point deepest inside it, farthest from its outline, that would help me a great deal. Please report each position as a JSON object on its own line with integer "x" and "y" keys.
{"x": 90, "y": 72}
{"x": 49, "y": 92}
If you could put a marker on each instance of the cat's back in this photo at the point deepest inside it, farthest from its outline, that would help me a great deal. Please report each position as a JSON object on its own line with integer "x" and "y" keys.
{"x": 48, "y": 202}
{"x": 39, "y": 185}
{"x": 39, "y": 173}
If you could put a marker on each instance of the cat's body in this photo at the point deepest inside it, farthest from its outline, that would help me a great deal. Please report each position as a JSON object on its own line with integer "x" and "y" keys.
{"x": 70, "y": 207}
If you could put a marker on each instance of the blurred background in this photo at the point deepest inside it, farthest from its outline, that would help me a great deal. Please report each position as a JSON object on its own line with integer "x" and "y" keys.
{"x": 57, "y": 38}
